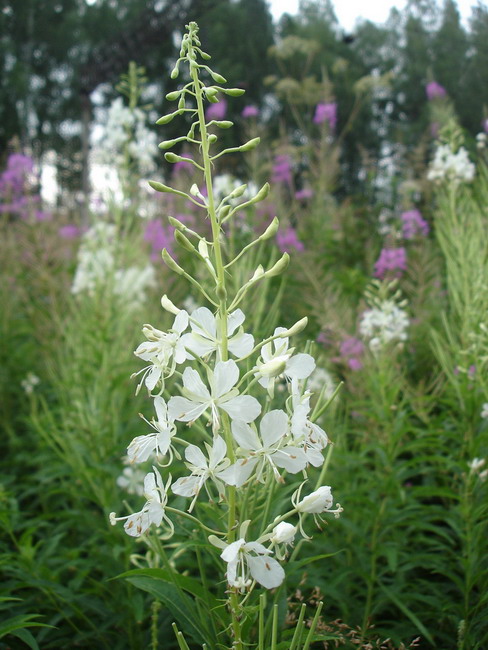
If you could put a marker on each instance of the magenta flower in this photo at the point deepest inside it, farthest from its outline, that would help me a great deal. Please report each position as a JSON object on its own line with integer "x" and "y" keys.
{"x": 351, "y": 351}
{"x": 159, "y": 237}
{"x": 288, "y": 240}
{"x": 304, "y": 194}
{"x": 282, "y": 169}
{"x": 434, "y": 90}
{"x": 250, "y": 111}
{"x": 413, "y": 224}
{"x": 391, "y": 259}
{"x": 485, "y": 126}
{"x": 326, "y": 113}
{"x": 216, "y": 111}
{"x": 70, "y": 231}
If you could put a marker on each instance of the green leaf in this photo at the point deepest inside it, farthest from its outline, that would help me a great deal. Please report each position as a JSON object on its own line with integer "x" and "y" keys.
{"x": 420, "y": 626}
{"x": 20, "y": 622}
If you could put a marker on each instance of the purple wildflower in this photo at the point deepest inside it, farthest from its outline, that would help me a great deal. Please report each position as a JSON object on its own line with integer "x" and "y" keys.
{"x": 159, "y": 237}
{"x": 485, "y": 126}
{"x": 351, "y": 350}
{"x": 391, "y": 259}
{"x": 287, "y": 240}
{"x": 250, "y": 111}
{"x": 216, "y": 111}
{"x": 70, "y": 231}
{"x": 282, "y": 169}
{"x": 413, "y": 224}
{"x": 326, "y": 113}
{"x": 304, "y": 194}
{"x": 434, "y": 90}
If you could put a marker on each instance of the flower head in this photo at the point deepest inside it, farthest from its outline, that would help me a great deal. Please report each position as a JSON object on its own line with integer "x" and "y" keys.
{"x": 391, "y": 259}
{"x": 326, "y": 112}
{"x": 434, "y": 90}
{"x": 250, "y": 111}
{"x": 216, "y": 111}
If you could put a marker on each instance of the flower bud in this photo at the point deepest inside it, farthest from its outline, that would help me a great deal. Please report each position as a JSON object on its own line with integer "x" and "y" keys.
{"x": 272, "y": 368}
{"x": 171, "y": 157}
{"x": 184, "y": 241}
{"x": 211, "y": 94}
{"x": 295, "y": 329}
{"x": 175, "y": 71}
{"x": 239, "y": 191}
{"x": 217, "y": 77}
{"x": 173, "y": 95}
{"x": 169, "y": 306}
{"x": 170, "y": 262}
{"x": 317, "y": 501}
{"x": 284, "y": 533}
{"x": 271, "y": 230}
{"x": 262, "y": 194}
{"x": 233, "y": 92}
{"x": 250, "y": 145}
{"x": 167, "y": 118}
{"x": 159, "y": 187}
{"x": 223, "y": 124}
{"x": 167, "y": 144}
{"x": 203, "y": 248}
{"x": 279, "y": 267}
{"x": 212, "y": 138}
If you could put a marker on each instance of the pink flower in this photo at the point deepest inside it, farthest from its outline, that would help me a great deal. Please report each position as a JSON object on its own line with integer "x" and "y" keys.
{"x": 282, "y": 169}
{"x": 485, "y": 126}
{"x": 287, "y": 240}
{"x": 434, "y": 90}
{"x": 413, "y": 224}
{"x": 326, "y": 113}
{"x": 391, "y": 259}
{"x": 70, "y": 231}
{"x": 250, "y": 111}
{"x": 303, "y": 195}
{"x": 216, "y": 111}
{"x": 159, "y": 237}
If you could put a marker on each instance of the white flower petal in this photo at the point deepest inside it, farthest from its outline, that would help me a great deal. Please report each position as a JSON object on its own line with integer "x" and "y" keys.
{"x": 274, "y": 426}
{"x": 300, "y": 366}
{"x": 290, "y": 458}
{"x": 161, "y": 410}
{"x": 181, "y": 322}
{"x": 185, "y": 410}
{"x": 194, "y": 455}
{"x": 235, "y": 319}
{"x": 242, "y": 407}
{"x": 141, "y": 448}
{"x": 242, "y": 470}
{"x": 245, "y": 436}
{"x": 230, "y": 552}
{"x": 187, "y": 486}
{"x": 194, "y": 385}
{"x": 266, "y": 570}
{"x": 152, "y": 377}
{"x": 198, "y": 345}
{"x": 203, "y": 322}
{"x": 225, "y": 377}
{"x": 241, "y": 344}
{"x": 218, "y": 451}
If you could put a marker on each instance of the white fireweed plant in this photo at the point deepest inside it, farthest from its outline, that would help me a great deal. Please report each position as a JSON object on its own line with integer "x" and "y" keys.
{"x": 242, "y": 450}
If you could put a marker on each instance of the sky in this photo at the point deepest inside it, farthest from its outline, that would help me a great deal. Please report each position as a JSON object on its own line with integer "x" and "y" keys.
{"x": 347, "y": 11}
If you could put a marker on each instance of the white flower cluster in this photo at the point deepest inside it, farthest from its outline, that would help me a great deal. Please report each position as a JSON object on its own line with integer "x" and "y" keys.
{"x": 384, "y": 324}
{"x": 260, "y": 447}
{"x": 97, "y": 259}
{"x": 125, "y": 133}
{"x": 475, "y": 468}
{"x": 450, "y": 166}
{"x": 30, "y": 382}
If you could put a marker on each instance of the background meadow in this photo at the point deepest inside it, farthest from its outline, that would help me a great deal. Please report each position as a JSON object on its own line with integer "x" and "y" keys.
{"x": 374, "y": 143}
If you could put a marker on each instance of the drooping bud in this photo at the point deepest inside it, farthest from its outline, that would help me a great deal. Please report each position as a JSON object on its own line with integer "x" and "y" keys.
{"x": 173, "y": 95}
{"x": 170, "y": 262}
{"x": 167, "y": 118}
{"x": 316, "y": 502}
{"x": 169, "y": 306}
{"x": 160, "y": 187}
{"x": 172, "y": 157}
{"x": 167, "y": 144}
{"x": 279, "y": 267}
{"x": 233, "y": 92}
{"x": 284, "y": 533}
{"x": 295, "y": 329}
{"x": 223, "y": 124}
{"x": 271, "y": 230}
{"x": 250, "y": 145}
{"x": 184, "y": 241}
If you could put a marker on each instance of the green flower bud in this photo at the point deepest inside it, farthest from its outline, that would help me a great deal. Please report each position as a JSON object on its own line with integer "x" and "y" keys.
{"x": 217, "y": 77}
{"x": 295, "y": 329}
{"x": 233, "y": 92}
{"x": 167, "y": 118}
{"x": 170, "y": 263}
{"x": 239, "y": 191}
{"x": 167, "y": 144}
{"x": 175, "y": 72}
{"x": 184, "y": 242}
{"x": 172, "y": 157}
{"x": 181, "y": 103}
{"x": 212, "y": 138}
{"x": 211, "y": 94}
{"x": 271, "y": 230}
{"x": 173, "y": 95}
{"x": 169, "y": 306}
{"x": 262, "y": 194}
{"x": 279, "y": 267}
{"x": 251, "y": 144}
{"x": 205, "y": 56}
{"x": 159, "y": 187}
{"x": 223, "y": 124}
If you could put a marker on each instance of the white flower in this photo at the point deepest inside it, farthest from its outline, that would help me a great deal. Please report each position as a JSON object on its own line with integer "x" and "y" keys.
{"x": 202, "y": 470}
{"x": 320, "y": 381}
{"x": 153, "y": 510}
{"x": 30, "y": 382}
{"x": 318, "y": 501}
{"x": 222, "y": 395}
{"x": 270, "y": 452}
{"x": 142, "y": 447}
{"x": 484, "y": 411}
{"x": 205, "y": 337}
{"x": 315, "y": 503}
{"x": 450, "y": 166}
{"x": 476, "y": 464}
{"x": 384, "y": 324}
{"x": 131, "y": 480}
{"x": 284, "y": 533}
{"x": 244, "y": 558}
{"x": 164, "y": 350}
{"x": 314, "y": 437}
{"x": 132, "y": 283}
{"x": 277, "y": 359}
